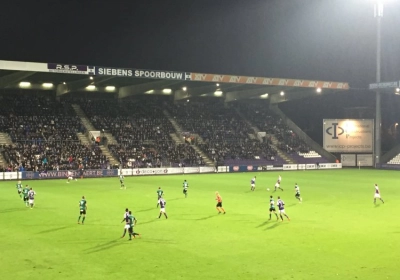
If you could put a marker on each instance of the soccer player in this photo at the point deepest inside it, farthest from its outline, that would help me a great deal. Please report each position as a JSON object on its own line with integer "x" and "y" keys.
{"x": 281, "y": 207}
{"x": 126, "y": 214}
{"x": 272, "y": 208}
{"x": 25, "y": 192}
{"x": 377, "y": 194}
{"x": 297, "y": 192}
{"x": 160, "y": 193}
{"x": 162, "y": 208}
{"x": 128, "y": 223}
{"x": 279, "y": 179}
{"x": 218, "y": 198}
{"x": 19, "y": 189}
{"x": 82, "y": 210}
{"x": 121, "y": 180}
{"x": 70, "y": 176}
{"x": 278, "y": 186}
{"x": 253, "y": 184}
{"x": 31, "y": 196}
{"x": 185, "y": 188}
{"x": 133, "y": 222}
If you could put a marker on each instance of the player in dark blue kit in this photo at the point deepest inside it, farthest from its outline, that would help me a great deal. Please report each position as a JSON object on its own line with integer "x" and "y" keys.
{"x": 281, "y": 207}
{"x": 253, "y": 184}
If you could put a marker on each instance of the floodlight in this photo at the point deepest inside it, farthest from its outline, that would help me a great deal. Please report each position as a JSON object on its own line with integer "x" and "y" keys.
{"x": 47, "y": 85}
{"x": 319, "y": 90}
{"x": 24, "y": 84}
{"x": 110, "y": 88}
{"x": 282, "y": 93}
{"x": 167, "y": 90}
{"x": 91, "y": 87}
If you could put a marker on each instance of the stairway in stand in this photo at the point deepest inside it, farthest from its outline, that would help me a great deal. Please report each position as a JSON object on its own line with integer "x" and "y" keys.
{"x": 283, "y": 155}
{"x": 177, "y": 138}
{"x": 89, "y": 127}
{"x": 274, "y": 141}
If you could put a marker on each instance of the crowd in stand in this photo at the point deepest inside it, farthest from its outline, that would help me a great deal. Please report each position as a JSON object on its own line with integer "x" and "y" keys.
{"x": 224, "y": 132}
{"x": 258, "y": 114}
{"x": 44, "y": 132}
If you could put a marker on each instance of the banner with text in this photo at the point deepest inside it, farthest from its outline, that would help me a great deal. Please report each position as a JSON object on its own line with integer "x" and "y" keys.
{"x": 64, "y": 174}
{"x": 340, "y": 135}
{"x": 71, "y": 69}
{"x": 365, "y": 160}
{"x": 142, "y": 73}
{"x": 348, "y": 159}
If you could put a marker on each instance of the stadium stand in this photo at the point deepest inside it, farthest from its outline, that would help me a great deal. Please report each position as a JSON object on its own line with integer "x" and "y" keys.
{"x": 141, "y": 130}
{"x": 43, "y": 133}
{"x": 258, "y": 114}
{"x": 225, "y": 135}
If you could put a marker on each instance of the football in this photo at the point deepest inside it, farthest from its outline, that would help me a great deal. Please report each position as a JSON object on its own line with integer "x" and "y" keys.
{"x": 267, "y": 189}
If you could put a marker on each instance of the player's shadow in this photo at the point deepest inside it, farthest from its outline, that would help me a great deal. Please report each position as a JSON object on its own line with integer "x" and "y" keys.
{"x": 106, "y": 246}
{"x": 177, "y": 198}
{"x": 263, "y": 224}
{"x": 377, "y": 205}
{"x": 293, "y": 204}
{"x": 53, "y": 230}
{"x": 13, "y": 210}
{"x": 274, "y": 225}
{"x": 144, "y": 210}
{"x": 147, "y": 222}
{"x": 205, "y": 218}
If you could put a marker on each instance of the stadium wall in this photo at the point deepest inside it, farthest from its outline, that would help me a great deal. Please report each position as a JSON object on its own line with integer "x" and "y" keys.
{"x": 99, "y": 173}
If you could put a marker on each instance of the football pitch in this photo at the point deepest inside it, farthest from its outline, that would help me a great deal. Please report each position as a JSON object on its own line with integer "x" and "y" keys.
{"x": 336, "y": 233}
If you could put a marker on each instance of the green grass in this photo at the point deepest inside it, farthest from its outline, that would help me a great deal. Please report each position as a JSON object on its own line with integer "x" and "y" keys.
{"x": 336, "y": 233}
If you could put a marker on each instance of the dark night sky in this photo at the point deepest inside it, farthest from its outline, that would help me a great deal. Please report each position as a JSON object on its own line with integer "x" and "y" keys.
{"x": 309, "y": 39}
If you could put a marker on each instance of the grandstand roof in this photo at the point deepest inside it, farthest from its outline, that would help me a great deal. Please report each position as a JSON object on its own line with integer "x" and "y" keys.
{"x": 65, "y": 78}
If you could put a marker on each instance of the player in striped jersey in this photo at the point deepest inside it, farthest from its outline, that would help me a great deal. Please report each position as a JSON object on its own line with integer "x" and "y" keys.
{"x": 377, "y": 194}
{"x": 185, "y": 188}
{"x": 121, "y": 180}
{"x": 272, "y": 208}
{"x": 253, "y": 184}
{"x": 162, "y": 208}
{"x": 297, "y": 192}
{"x": 281, "y": 207}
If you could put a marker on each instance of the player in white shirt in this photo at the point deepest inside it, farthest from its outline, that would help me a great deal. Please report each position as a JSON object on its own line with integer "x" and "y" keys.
{"x": 377, "y": 194}
{"x": 121, "y": 180}
{"x": 297, "y": 192}
{"x": 70, "y": 177}
{"x": 279, "y": 179}
{"x": 278, "y": 186}
{"x": 31, "y": 196}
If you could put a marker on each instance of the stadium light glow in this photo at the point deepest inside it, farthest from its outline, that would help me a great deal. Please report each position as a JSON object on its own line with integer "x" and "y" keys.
{"x": 184, "y": 88}
{"x": 91, "y": 78}
{"x": 319, "y": 90}
{"x": 218, "y": 93}
{"x": 64, "y": 83}
{"x": 217, "y": 85}
{"x": 91, "y": 87}
{"x": 282, "y": 93}
{"x": 47, "y": 85}
{"x": 167, "y": 90}
{"x": 264, "y": 95}
{"x": 150, "y": 91}
{"x": 110, "y": 88}
{"x": 397, "y": 89}
{"x": 24, "y": 84}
